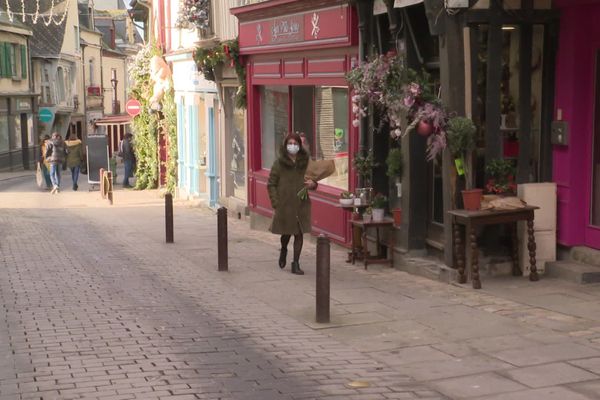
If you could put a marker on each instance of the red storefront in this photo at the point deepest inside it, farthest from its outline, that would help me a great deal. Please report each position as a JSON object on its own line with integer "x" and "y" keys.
{"x": 297, "y": 53}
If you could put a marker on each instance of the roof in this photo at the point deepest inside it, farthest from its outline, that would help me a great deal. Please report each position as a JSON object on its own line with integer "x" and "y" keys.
{"x": 47, "y": 40}
{"x": 15, "y": 26}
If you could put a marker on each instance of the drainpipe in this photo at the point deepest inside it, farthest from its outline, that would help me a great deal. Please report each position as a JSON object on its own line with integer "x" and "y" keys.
{"x": 85, "y": 122}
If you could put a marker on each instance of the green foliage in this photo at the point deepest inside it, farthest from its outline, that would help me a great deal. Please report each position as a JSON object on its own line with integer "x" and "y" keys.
{"x": 499, "y": 169}
{"x": 395, "y": 163}
{"x": 461, "y": 136}
{"x": 169, "y": 125}
{"x": 346, "y": 195}
{"x": 145, "y": 125}
{"x": 364, "y": 164}
{"x": 379, "y": 201}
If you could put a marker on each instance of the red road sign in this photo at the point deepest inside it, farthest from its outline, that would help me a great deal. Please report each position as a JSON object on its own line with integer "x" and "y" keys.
{"x": 133, "y": 107}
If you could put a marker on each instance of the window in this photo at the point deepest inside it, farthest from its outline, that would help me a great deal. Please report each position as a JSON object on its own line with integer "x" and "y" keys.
{"x": 14, "y": 66}
{"x": 4, "y": 133}
{"x": 91, "y": 72}
{"x": 60, "y": 83}
{"x": 13, "y": 60}
{"x": 274, "y": 119}
{"x": 23, "y": 68}
{"x": 235, "y": 142}
{"x": 77, "y": 38}
{"x": 46, "y": 93}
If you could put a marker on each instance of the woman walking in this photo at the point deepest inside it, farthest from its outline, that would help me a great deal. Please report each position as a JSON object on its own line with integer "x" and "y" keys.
{"x": 287, "y": 188}
{"x": 74, "y": 158}
{"x": 44, "y": 164}
{"x": 55, "y": 154}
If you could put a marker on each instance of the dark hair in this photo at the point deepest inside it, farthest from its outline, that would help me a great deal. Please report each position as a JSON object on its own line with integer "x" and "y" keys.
{"x": 292, "y": 135}
{"x": 46, "y": 137}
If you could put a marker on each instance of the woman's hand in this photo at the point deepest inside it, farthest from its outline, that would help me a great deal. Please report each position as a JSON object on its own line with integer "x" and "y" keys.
{"x": 310, "y": 184}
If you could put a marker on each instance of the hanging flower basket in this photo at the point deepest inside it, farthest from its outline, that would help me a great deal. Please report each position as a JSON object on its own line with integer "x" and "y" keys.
{"x": 424, "y": 128}
{"x": 193, "y": 14}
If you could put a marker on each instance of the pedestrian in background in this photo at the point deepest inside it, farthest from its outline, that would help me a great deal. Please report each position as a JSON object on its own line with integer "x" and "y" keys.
{"x": 128, "y": 154}
{"x": 55, "y": 155}
{"x": 287, "y": 188}
{"x": 44, "y": 164}
{"x": 74, "y": 157}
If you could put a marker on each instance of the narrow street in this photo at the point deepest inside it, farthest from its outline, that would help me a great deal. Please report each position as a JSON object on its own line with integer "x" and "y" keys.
{"x": 96, "y": 306}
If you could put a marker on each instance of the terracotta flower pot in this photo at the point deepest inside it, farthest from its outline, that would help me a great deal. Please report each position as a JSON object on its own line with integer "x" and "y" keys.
{"x": 472, "y": 199}
{"x": 397, "y": 212}
{"x": 424, "y": 128}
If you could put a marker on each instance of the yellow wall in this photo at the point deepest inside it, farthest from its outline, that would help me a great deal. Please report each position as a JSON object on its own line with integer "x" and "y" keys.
{"x": 108, "y": 64}
{"x": 69, "y": 45}
{"x": 19, "y": 85}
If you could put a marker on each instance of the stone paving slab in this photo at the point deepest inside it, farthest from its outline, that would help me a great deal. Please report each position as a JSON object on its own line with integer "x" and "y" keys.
{"x": 550, "y": 375}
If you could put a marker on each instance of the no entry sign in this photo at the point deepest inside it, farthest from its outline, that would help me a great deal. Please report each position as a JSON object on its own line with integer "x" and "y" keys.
{"x": 133, "y": 107}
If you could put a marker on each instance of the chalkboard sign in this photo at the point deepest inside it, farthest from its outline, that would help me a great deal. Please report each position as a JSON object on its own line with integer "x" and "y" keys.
{"x": 97, "y": 155}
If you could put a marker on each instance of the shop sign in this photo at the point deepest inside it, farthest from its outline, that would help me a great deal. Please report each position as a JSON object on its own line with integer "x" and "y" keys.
{"x": 23, "y": 105}
{"x": 323, "y": 26}
{"x": 46, "y": 115}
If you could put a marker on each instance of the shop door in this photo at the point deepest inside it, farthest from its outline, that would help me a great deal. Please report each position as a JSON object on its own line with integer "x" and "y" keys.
{"x": 192, "y": 159}
{"x": 212, "y": 173}
{"x": 24, "y": 141}
{"x": 592, "y": 233}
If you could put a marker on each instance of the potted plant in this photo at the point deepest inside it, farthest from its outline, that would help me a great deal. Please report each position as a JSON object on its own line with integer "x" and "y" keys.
{"x": 501, "y": 177}
{"x": 461, "y": 141}
{"x": 378, "y": 205}
{"x": 346, "y": 198}
{"x": 368, "y": 214}
{"x": 395, "y": 164}
{"x": 364, "y": 165}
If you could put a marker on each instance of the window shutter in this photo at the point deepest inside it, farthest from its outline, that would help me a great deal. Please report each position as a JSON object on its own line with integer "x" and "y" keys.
{"x": 2, "y": 61}
{"x": 8, "y": 58}
{"x": 23, "y": 62}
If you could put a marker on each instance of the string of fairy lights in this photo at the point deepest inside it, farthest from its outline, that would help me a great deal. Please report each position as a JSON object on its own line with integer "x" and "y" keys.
{"x": 47, "y": 18}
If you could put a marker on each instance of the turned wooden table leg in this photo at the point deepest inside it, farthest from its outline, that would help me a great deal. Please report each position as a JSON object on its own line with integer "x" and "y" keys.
{"x": 533, "y": 275}
{"x": 459, "y": 253}
{"x": 365, "y": 246}
{"x": 516, "y": 270}
{"x": 474, "y": 258}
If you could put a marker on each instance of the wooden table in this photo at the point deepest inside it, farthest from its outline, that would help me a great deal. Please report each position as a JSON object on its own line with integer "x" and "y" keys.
{"x": 387, "y": 223}
{"x": 473, "y": 219}
{"x": 355, "y": 253}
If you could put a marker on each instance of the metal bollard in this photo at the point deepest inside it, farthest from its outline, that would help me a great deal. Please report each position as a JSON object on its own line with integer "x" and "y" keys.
{"x": 222, "y": 238}
{"x": 323, "y": 263}
{"x": 169, "y": 217}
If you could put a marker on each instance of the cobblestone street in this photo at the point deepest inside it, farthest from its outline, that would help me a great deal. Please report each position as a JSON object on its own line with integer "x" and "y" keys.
{"x": 96, "y": 306}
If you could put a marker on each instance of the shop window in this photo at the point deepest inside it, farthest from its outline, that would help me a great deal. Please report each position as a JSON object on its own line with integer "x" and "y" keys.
{"x": 274, "y": 121}
{"x": 4, "y": 146}
{"x": 236, "y": 152}
{"x": 60, "y": 83}
{"x": 331, "y": 139}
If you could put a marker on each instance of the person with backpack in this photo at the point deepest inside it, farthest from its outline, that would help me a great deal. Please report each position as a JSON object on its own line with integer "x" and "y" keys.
{"x": 74, "y": 158}
{"x": 55, "y": 155}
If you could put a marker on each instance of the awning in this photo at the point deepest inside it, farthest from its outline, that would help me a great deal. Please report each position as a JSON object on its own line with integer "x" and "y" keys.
{"x": 379, "y": 5}
{"x": 122, "y": 119}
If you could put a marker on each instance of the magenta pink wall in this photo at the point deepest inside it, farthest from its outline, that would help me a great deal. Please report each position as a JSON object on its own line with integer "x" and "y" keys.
{"x": 575, "y": 87}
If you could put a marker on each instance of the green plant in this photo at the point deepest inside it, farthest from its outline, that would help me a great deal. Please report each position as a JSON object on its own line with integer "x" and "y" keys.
{"x": 146, "y": 124}
{"x": 395, "y": 163}
{"x": 369, "y": 211}
{"x": 346, "y": 195}
{"x": 207, "y": 59}
{"x": 461, "y": 141}
{"x": 379, "y": 201}
{"x": 500, "y": 174}
{"x": 364, "y": 165}
{"x": 231, "y": 49}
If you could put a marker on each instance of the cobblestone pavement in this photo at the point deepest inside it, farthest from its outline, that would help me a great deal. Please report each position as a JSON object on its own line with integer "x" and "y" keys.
{"x": 96, "y": 306}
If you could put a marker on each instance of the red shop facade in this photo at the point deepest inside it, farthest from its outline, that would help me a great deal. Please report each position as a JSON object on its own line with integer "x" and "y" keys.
{"x": 297, "y": 54}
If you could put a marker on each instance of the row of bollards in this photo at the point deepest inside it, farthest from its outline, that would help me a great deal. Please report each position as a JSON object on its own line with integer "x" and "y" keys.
{"x": 323, "y": 257}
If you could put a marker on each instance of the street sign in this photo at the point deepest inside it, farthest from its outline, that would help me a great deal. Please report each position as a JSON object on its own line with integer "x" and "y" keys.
{"x": 46, "y": 115}
{"x": 133, "y": 107}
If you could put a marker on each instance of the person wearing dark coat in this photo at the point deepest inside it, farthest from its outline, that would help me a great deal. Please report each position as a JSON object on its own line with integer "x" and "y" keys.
{"x": 74, "y": 158}
{"x": 55, "y": 154}
{"x": 128, "y": 155}
{"x": 287, "y": 188}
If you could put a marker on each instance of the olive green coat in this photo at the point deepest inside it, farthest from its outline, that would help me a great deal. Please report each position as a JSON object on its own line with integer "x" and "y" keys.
{"x": 292, "y": 215}
{"x": 74, "y": 153}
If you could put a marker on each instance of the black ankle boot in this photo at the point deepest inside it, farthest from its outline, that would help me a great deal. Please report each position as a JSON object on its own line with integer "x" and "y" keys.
{"x": 296, "y": 268}
{"x": 282, "y": 256}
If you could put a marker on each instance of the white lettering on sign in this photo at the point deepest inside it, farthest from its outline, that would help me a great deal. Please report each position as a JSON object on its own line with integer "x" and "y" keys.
{"x": 285, "y": 30}
{"x": 315, "y": 25}
{"x": 259, "y": 37}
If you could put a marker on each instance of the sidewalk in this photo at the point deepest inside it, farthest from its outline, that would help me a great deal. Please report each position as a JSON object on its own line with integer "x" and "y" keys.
{"x": 512, "y": 340}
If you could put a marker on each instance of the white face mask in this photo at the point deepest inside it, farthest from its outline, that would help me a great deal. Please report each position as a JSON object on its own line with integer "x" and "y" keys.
{"x": 293, "y": 148}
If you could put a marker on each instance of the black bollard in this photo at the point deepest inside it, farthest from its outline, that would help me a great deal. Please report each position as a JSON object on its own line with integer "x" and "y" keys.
{"x": 222, "y": 238}
{"x": 169, "y": 217}
{"x": 323, "y": 262}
